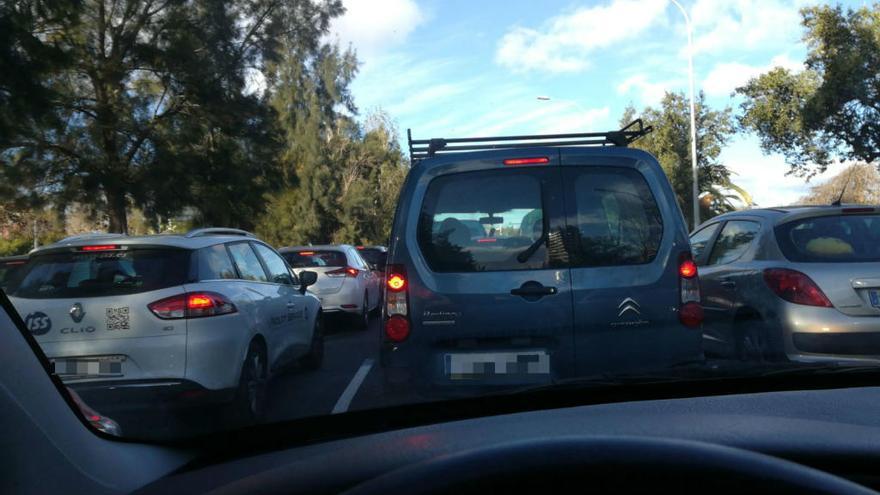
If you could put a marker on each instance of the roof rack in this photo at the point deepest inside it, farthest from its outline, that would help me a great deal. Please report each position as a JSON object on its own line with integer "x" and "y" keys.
{"x": 217, "y": 231}
{"x": 426, "y": 148}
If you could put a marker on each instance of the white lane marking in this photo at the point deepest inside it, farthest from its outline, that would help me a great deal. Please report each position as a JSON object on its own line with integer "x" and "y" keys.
{"x": 352, "y": 388}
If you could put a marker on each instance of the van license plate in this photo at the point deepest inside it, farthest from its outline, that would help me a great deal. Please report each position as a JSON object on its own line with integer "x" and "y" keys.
{"x": 874, "y": 297}
{"x": 475, "y": 365}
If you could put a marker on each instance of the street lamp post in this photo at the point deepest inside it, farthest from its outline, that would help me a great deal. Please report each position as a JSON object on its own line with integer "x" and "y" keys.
{"x": 696, "y": 186}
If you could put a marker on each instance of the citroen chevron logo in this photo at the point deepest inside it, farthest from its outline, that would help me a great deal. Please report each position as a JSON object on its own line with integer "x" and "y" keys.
{"x": 628, "y": 304}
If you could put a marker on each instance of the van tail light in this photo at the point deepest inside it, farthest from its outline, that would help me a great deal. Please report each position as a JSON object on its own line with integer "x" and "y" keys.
{"x": 344, "y": 272}
{"x": 690, "y": 311}
{"x": 397, "y": 323}
{"x": 795, "y": 287}
{"x": 192, "y": 305}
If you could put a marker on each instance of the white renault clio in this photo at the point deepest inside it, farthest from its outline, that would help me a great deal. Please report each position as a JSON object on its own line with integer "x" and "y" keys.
{"x": 205, "y": 316}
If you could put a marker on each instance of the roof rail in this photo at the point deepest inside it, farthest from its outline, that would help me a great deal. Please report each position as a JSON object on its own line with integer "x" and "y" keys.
{"x": 90, "y": 235}
{"x": 425, "y": 148}
{"x": 217, "y": 231}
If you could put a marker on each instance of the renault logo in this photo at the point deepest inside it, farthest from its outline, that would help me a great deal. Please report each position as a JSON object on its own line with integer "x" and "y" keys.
{"x": 76, "y": 313}
{"x": 628, "y": 304}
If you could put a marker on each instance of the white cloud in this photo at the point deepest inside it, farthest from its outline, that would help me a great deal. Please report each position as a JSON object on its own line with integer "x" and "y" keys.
{"x": 763, "y": 176}
{"x": 374, "y": 26}
{"x": 723, "y": 25}
{"x": 565, "y": 42}
{"x": 726, "y": 77}
{"x": 649, "y": 93}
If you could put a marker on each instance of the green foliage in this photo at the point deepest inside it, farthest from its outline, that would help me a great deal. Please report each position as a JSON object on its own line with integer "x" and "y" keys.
{"x": 670, "y": 144}
{"x": 831, "y": 109}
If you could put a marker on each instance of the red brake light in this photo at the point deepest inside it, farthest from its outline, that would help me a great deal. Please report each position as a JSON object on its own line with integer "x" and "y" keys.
{"x": 396, "y": 282}
{"x": 397, "y": 328}
{"x": 14, "y": 263}
{"x": 352, "y": 272}
{"x": 344, "y": 272}
{"x": 487, "y": 239}
{"x": 306, "y": 253}
{"x": 103, "y": 247}
{"x": 527, "y": 161}
{"x": 687, "y": 269}
{"x": 360, "y": 247}
{"x": 192, "y": 305}
{"x": 691, "y": 314}
{"x": 795, "y": 287}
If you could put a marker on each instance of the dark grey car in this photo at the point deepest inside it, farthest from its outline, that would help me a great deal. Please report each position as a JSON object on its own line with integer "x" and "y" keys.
{"x": 579, "y": 264}
{"x": 796, "y": 283}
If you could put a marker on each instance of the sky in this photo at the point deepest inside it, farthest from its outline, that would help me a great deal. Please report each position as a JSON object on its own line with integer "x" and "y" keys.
{"x": 454, "y": 68}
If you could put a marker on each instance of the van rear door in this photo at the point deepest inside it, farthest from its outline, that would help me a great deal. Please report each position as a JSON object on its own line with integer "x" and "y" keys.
{"x": 494, "y": 307}
{"x": 626, "y": 237}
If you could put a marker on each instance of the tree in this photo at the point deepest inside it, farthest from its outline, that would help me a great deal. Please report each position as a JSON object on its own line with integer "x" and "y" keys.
{"x": 858, "y": 183}
{"x": 153, "y": 107}
{"x": 831, "y": 109}
{"x": 670, "y": 144}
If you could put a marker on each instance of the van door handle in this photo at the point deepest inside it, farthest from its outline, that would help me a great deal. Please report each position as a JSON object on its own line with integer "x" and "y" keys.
{"x": 728, "y": 284}
{"x": 529, "y": 290}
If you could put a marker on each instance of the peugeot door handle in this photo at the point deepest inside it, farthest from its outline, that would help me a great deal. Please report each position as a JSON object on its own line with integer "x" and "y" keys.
{"x": 728, "y": 284}
{"x": 533, "y": 290}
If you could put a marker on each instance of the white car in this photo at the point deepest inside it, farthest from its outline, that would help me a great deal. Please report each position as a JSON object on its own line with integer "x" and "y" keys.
{"x": 346, "y": 282}
{"x": 209, "y": 315}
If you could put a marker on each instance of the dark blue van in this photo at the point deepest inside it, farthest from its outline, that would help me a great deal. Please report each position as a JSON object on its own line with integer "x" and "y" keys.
{"x": 528, "y": 259}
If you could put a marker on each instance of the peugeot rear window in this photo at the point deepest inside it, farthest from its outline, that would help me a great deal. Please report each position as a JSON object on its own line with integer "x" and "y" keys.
{"x": 831, "y": 239}
{"x": 104, "y": 273}
{"x": 313, "y": 259}
{"x": 484, "y": 221}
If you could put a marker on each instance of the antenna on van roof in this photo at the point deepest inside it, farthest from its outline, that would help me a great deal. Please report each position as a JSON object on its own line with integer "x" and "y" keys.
{"x": 426, "y": 148}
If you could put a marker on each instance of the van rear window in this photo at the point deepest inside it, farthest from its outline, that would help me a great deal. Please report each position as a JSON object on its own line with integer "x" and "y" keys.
{"x": 831, "y": 239}
{"x": 616, "y": 217}
{"x": 484, "y": 221}
{"x": 103, "y": 273}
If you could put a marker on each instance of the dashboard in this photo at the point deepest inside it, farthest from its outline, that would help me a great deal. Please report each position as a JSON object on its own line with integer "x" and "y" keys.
{"x": 834, "y": 431}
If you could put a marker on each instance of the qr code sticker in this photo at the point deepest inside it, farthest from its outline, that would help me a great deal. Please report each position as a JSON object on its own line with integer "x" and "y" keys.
{"x": 117, "y": 318}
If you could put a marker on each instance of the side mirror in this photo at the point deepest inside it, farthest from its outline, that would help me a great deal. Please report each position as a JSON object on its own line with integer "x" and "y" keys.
{"x": 283, "y": 279}
{"x": 306, "y": 278}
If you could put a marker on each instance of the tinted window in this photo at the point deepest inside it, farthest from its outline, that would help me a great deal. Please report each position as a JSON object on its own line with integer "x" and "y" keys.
{"x": 830, "y": 239}
{"x": 214, "y": 263}
{"x": 701, "y": 239}
{"x": 8, "y": 270}
{"x": 247, "y": 262}
{"x": 278, "y": 271}
{"x": 306, "y": 259}
{"x": 374, "y": 256}
{"x": 66, "y": 275}
{"x": 615, "y": 218}
{"x": 484, "y": 221}
{"x": 734, "y": 240}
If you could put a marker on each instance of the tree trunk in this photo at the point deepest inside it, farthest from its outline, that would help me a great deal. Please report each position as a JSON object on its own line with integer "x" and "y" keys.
{"x": 117, "y": 212}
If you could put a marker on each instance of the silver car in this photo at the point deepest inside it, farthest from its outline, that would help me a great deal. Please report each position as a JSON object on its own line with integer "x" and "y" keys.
{"x": 346, "y": 282}
{"x": 206, "y": 316}
{"x": 795, "y": 283}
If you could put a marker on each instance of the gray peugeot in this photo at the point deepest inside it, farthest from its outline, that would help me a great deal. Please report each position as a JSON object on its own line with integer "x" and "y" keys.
{"x": 792, "y": 283}
{"x": 579, "y": 264}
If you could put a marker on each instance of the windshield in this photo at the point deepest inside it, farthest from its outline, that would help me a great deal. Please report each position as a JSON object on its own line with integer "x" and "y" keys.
{"x": 215, "y": 215}
{"x": 831, "y": 239}
{"x": 303, "y": 259}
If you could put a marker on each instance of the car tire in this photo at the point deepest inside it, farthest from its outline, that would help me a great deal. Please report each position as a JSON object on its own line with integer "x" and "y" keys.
{"x": 250, "y": 401}
{"x": 756, "y": 342}
{"x": 315, "y": 356}
{"x": 363, "y": 319}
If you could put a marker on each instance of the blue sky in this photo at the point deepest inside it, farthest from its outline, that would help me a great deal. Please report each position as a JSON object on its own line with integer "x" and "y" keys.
{"x": 464, "y": 68}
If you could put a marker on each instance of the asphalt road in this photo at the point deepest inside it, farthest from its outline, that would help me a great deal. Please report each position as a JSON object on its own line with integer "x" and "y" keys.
{"x": 349, "y": 379}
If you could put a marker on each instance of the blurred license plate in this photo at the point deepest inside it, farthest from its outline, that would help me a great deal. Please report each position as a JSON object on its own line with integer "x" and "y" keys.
{"x": 109, "y": 366}
{"x": 472, "y": 365}
{"x": 874, "y": 297}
